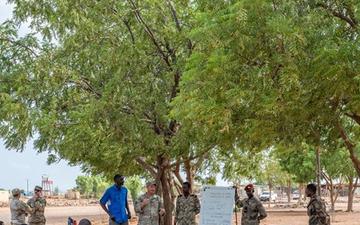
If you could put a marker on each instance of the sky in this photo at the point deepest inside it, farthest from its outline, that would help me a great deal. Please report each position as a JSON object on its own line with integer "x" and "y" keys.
{"x": 17, "y": 168}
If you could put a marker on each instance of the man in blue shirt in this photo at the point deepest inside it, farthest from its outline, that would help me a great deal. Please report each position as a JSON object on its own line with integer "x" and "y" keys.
{"x": 115, "y": 203}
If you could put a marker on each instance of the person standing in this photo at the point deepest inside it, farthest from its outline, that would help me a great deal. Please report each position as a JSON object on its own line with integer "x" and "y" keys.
{"x": 115, "y": 202}
{"x": 18, "y": 208}
{"x": 253, "y": 211}
{"x": 187, "y": 207}
{"x": 37, "y": 204}
{"x": 149, "y": 206}
{"x": 316, "y": 209}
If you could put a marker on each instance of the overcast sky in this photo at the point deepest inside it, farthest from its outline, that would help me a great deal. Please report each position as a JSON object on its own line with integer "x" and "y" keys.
{"x": 16, "y": 168}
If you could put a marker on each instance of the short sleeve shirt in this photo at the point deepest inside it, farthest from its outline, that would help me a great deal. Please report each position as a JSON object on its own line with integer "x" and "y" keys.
{"x": 116, "y": 199}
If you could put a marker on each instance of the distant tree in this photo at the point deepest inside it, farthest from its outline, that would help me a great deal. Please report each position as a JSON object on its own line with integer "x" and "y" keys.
{"x": 134, "y": 185}
{"x": 56, "y": 191}
{"x": 91, "y": 186}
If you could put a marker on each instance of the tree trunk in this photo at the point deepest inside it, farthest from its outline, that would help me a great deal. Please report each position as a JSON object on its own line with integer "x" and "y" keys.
{"x": 332, "y": 195}
{"x": 189, "y": 170}
{"x": 270, "y": 187}
{"x": 351, "y": 191}
{"x": 301, "y": 195}
{"x": 330, "y": 186}
{"x": 163, "y": 178}
{"x": 318, "y": 170}
{"x": 351, "y": 148}
{"x": 176, "y": 172}
{"x": 288, "y": 191}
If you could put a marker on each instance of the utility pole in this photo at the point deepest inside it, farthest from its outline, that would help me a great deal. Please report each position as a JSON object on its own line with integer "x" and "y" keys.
{"x": 27, "y": 186}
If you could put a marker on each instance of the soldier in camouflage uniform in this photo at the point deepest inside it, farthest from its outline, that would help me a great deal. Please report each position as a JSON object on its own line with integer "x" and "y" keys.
{"x": 316, "y": 209}
{"x": 149, "y": 206}
{"x": 187, "y": 207}
{"x": 18, "y": 209}
{"x": 37, "y": 204}
{"x": 253, "y": 211}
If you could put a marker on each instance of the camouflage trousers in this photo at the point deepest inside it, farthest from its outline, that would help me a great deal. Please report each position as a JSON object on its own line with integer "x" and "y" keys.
{"x": 148, "y": 221}
{"x": 186, "y": 222}
{"x": 250, "y": 222}
{"x": 111, "y": 222}
{"x": 38, "y": 223}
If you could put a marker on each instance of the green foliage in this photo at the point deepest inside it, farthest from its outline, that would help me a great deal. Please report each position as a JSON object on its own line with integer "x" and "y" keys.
{"x": 134, "y": 185}
{"x": 241, "y": 164}
{"x": 102, "y": 87}
{"x": 299, "y": 162}
{"x": 206, "y": 180}
{"x": 268, "y": 73}
{"x": 100, "y": 96}
{"x": 91, "y": 186}
{"x": 337, "y": 164}
{"x": 272, "y": 174}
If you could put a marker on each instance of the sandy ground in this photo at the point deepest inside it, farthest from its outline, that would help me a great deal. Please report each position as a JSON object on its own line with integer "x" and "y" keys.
{"x": 59, "y": 215}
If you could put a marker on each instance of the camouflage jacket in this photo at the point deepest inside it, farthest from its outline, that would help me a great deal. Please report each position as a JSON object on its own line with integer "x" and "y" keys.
{"x": 316, "y": 211}
{"x": 19, "y": 211}
{"x": 149, "y": 215}
{"x": 38, "y": 207}
{"x": 186, "y": 210}
{"x": 253, "y": 211}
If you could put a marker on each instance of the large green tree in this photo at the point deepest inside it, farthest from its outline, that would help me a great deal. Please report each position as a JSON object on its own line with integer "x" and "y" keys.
{"x": 96, "y": 88}
{"x": 271, "y": 73}
{"x": 102, "y": 87}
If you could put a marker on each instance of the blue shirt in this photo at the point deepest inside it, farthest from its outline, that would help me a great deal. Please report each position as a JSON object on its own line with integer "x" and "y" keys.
{"x": 116, "y": 199}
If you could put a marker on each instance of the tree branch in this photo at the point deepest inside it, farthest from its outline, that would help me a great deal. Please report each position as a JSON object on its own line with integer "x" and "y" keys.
{"x": 176, "y": 172}
{"x": 344, "y": 136}
{"x": 326, "y": 177}
{"x": 354, "y": 116}
{"x": 141, "y": 161}
{"x": 350, "y": 146}
{"x": 355, "y": 185}
{"x": 127, "y": 24}
{"x": 20, "y": 44}
{"x": 349, "y": 20}
{"x": 194, "y": 156}
{"x": 86, "y": 86}
{"x": 150, "y": 34}
{"x": 174, "y": 14}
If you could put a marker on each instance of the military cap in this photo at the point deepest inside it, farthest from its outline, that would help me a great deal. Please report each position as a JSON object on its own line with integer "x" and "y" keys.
{"x": 249, "y": 187}
{"x": 151, "y": 182}
{"x": 38, "y": 188}
{"x": 16, "y": 191}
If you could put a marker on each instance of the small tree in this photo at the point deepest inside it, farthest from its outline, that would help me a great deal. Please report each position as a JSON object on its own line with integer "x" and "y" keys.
{"x": 272, "y": 173}
{"x": 56, "y": 191}
{"x": 299, "y": 162}
{"x": 134, "y": 185}
{"x": 337, "y": 167}
{"x": 91, "y": 186}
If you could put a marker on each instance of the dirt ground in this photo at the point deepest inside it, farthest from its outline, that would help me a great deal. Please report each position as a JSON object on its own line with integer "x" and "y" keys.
{"x": 300, "y": 218}
{"x": 59, "y": 215}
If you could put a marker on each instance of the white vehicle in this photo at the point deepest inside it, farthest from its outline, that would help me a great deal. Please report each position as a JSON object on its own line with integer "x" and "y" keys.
{"x": 295, "y": 195}
{"x": 265, "y": 196}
